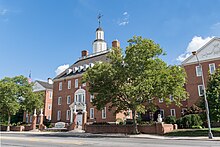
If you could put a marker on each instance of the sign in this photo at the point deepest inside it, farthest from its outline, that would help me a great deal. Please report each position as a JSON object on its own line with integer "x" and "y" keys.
{"x": 60, "y": 125}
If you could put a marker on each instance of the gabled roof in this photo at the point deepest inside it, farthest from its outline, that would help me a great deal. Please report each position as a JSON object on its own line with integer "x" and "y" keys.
{"x": 200, "y": 50}
{"x": 102, "y": 56}
{"x": 46, "y": 85}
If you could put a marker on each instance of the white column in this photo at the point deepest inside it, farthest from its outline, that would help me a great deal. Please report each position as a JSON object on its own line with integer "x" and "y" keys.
{"x": 75, "y": 108}
{"x": 35, "y": 112}
{"x": 41, "y": 111}
{"x": 71, "y": 115}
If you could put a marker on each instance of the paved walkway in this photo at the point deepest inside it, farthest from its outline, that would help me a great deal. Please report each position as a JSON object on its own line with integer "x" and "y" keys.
{"x": 80, "y": 133}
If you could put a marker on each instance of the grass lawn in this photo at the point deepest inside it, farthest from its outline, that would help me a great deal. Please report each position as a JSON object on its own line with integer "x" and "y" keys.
{"x": 194, "y": 132}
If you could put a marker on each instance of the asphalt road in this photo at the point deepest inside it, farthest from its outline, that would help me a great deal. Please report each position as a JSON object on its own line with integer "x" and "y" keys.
{"x": 33, "y": 140}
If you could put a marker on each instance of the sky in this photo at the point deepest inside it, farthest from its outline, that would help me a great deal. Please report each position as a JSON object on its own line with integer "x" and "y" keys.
{"x": 47, "y": 36}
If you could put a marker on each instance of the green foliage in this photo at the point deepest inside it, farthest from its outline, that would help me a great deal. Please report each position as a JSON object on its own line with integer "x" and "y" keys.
{"x": 170, "y": 119}
{"x": 188, "y": 121}
{"x": 129, "y": 81}
{"x": 213, "y": 96}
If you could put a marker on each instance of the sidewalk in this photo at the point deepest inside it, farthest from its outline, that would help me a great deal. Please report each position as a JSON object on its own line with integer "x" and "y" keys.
{"x": 86, "y": 135}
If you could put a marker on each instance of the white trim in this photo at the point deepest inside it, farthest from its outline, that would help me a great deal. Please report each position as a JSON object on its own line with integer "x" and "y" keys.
{"x": 171, "y": 98}
{"x": 50, "y": 94}
{"x": 91, "y": 97}
{"x": 60, "y": 86}
{"x": 69, "y": 84}
{"x": 59, "y": 100}
{"x": 91, "y": 113}
{"x": 160, "y": 100}
{"x": 210, "y": 68}
{"x": 172, "y": 112}
{"x": 104, "y": 113}
{"x": 68, "y": 98}
{"x": 199, "y": 92}
{"x": 67, "y": 114}
{"x": 198, "y": 74}
{"x": 58, "y": 115}
{"x": 76, "y": 83}
{"x": 183, "y": 110}
{"x": 49, "y": 106}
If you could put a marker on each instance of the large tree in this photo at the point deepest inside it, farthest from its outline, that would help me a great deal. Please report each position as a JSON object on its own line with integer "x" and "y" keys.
{"x": 129, "y": 81}
{"x": 16, "y": 93}
{"x": 213, "y": 96}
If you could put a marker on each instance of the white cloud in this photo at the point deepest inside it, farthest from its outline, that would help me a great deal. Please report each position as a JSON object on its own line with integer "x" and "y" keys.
{"x": 61, "y": 68}
{"x": 196, "y": 43}
{"x": 124, "y": 20}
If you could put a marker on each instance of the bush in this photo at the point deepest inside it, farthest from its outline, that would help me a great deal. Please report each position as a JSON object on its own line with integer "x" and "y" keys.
{"x": 170, "y": 119}
{"x": 188, "y": 121}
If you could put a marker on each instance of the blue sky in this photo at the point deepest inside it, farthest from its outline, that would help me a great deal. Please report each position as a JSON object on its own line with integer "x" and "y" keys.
{"x": 41, "y": 35}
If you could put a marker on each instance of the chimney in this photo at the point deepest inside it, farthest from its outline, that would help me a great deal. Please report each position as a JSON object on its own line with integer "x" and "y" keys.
{"x": 116, "y": 44}
{"x": 85, "y": 53}
{"x": 50, "y": 81}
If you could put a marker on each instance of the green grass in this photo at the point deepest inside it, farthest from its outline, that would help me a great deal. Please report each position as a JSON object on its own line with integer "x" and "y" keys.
{"x": 194, "y": 132}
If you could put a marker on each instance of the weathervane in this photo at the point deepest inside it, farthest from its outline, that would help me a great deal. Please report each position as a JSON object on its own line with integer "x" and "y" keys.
{"x": 99, "y": 18}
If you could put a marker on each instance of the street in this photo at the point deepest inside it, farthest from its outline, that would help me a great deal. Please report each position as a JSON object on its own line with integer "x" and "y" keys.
{"x": 36, "y": 140}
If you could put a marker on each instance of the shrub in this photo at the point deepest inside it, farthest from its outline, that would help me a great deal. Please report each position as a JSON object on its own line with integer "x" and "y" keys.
{"x": 170, "y": 119}
{"x": 188, "y": 121}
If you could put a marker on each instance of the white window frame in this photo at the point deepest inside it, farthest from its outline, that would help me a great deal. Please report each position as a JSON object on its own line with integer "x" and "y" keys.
{"x": 104, "y": 113}
{"x": 49, "y": 117}
{"x": 173, "y": 112}
{"x": 67, "y": 114}
{"x": 162, "y": 111}
{"x": 210, "y": 68}
{"x": 59, "y": 100}
{"x": 49, "y": 106}
{"x": 83, "y": 84}
{"x": 199, "y": 92}
{"x": 160, "y": 100}
{"x": 58, "y": 115}
{"x": 60, "y": 86}
{"x": 50, "y": 94}
{"x": 198, "y": 74}
{"x": 91, "y": 97}
{"x": 91, "y": 113}
{"x": 171, "y": 98}
{"x": 183, "y": 110}
{"x": 76, "y": 83}
{"x": 69, "y": 84}
{"x": 68, "y": 99}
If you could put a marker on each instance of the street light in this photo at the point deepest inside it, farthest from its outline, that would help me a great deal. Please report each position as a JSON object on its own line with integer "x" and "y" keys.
{"x": 206, "y": 102}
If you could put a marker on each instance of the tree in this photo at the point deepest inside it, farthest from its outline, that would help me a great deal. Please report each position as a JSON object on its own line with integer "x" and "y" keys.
{"x": 213, "y": 96}
{"x": 130, "y": 81}
{"x": 16, "y": 93}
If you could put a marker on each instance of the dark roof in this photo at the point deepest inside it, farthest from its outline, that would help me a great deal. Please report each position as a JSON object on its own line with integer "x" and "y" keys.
{"x": 99, "y": 29}
{"x": 90, "y": 59}
{"x": 45, "y": 84}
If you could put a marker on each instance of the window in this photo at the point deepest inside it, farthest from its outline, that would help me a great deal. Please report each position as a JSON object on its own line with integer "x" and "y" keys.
{"x": 68, "y": 115}
{"x": 49, "y": 117}
{"x": 69, "y": 84}
{"x": 104, "y": 113}
{"x": 198, "y": 71}
{"x": 162, "y": 113}
{"x": 184, "y": 111}
{"x": 76, "y": 83}
{"x": 172, "y": 112}
{"x": 200, "y": 90}
{"x": 212, "y": 68}
{"x": 50, "y": 94}
{"x": 68, "y": 99}
{"x": 26, "y": 117}
{"x": 91, "y": 113}
{"x": 91, "y": 97}
{"x": 84, "y": 84}
{"x": 49, "y": 106}
{"x": 80, "y": 98}
{"x": 59, "y": 100}
{"x": 60, "y": 86}
{"x": 161, "y": 100}
{"x": 171, "y": 98}
{"x": 58, "y": 115}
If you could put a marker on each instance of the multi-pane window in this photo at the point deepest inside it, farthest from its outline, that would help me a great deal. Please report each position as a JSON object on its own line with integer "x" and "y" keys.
{"x": 76, "y": 83}
{"x": 60, "y": 86}
{"x": 69, "y": 84}
{"x": 198, "y": 71}
{"x": 68, "y": 115}
{"x": 68, "y": 99}
{"x": 172, "y": 112}
{"x": 91, "y": 113}
{"x": 200, "y": 90}
{"x": 49, "y": 106}
{"x": 58, "y": 115}
{"x": 161, "y": 100}
{"x": 212, "y": 68}
{"x": 104, "y": 113}
{"x": 80, "y": 98}
{"x": 91, "y": 97}
{"x": 50, "y": 94}
{"x": 162, "y": 113}
{"x": 59, "y": 100}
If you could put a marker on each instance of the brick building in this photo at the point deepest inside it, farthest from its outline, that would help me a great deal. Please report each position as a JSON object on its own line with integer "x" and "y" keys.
{"x": 47, "y": 89}
{"x": 72, "y": 96}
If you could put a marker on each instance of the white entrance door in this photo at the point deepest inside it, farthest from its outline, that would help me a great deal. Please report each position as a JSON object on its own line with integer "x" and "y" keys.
{"x": 79, "y": 119}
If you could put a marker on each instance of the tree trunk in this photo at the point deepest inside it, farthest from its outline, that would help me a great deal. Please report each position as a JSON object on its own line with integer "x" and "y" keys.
{"x": 134, "y": 113}
{"x": 9, "y": 120}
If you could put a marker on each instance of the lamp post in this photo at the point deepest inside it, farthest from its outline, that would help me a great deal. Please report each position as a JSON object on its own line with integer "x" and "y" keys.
{"x": 210, "y": 135}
